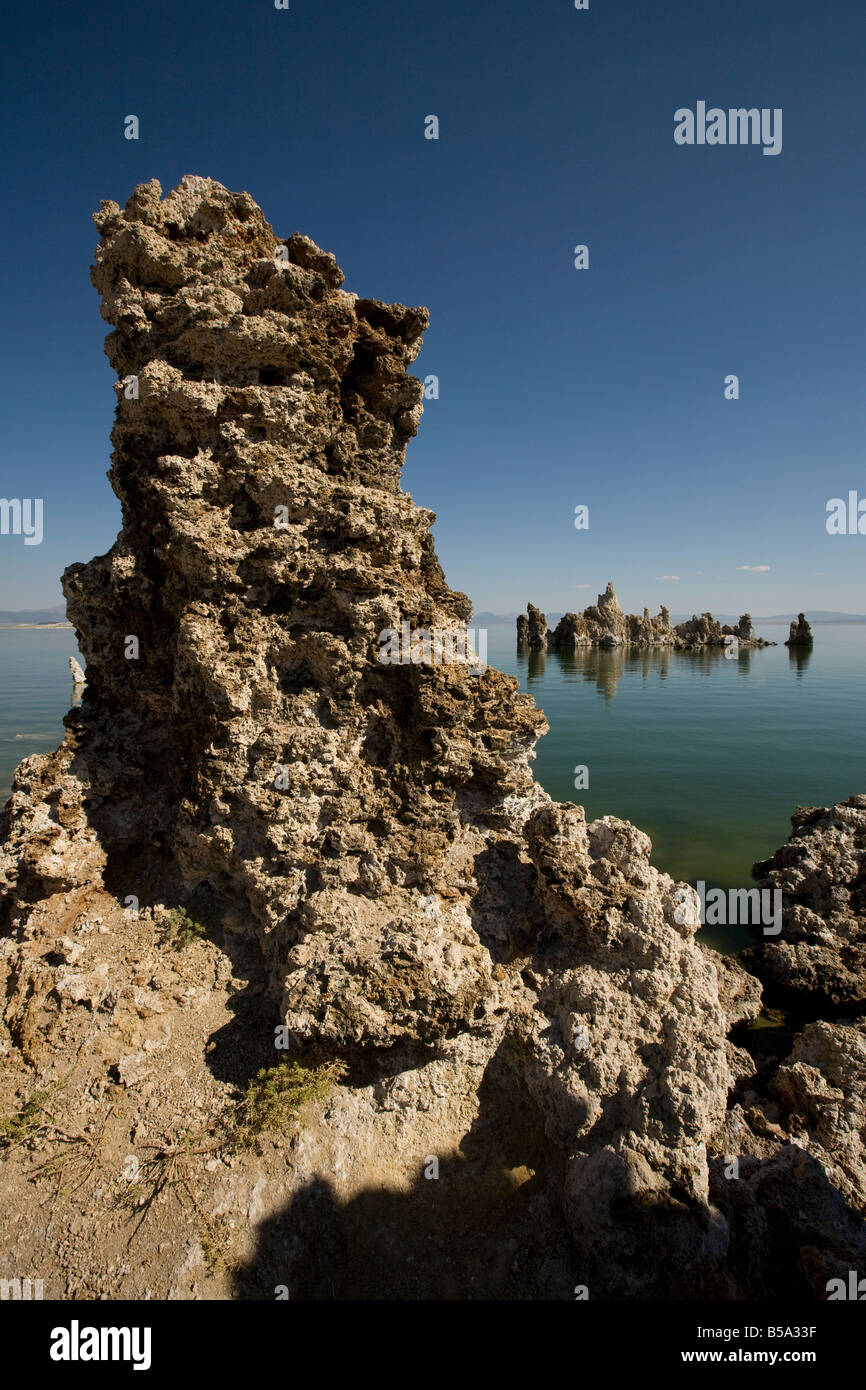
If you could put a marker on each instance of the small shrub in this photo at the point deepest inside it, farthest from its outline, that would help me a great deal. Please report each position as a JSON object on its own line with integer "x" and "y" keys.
{"x": 216, "y": 1237}
{"x": 15, "y": 1129}
{"x": 179, "y": 929}
{"x": 276, "y": 1094}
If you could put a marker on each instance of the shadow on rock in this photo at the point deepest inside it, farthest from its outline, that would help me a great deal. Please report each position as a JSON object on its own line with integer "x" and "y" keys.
{"x": 489, "y": 1226}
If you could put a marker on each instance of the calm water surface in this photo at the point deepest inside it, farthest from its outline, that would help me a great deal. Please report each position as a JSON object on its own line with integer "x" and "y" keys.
{"x": 708, "y": 755}
{"x": 35, "y": 693}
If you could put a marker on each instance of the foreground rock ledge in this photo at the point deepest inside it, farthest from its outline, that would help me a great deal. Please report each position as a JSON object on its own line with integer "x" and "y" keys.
{"x": 509, "y": 987}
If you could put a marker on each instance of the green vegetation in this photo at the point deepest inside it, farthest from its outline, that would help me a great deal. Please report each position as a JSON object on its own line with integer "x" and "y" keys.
{"x": 769, "y": 1018}
{"x": 276, "y": 1094}
{"x": 217, "y": 1237}
{"x": 178, "y": 929}
{"x": 16, "y": 1129}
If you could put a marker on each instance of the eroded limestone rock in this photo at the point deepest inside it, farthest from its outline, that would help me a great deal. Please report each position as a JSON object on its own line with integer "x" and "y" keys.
{"x": 817, "y": 965}
{"x": 402, "y": 893}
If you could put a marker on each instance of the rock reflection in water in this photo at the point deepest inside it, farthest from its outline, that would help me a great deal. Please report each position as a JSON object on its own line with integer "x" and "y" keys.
{"x": 605, "y": 667}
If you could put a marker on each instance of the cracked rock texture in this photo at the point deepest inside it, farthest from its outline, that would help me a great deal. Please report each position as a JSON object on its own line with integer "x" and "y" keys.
{"x": 504, "y": 981}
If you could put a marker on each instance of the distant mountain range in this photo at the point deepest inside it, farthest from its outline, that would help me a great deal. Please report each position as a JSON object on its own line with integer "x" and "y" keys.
{"x": 816, "y": 615}
{"x": 34, "y": 615}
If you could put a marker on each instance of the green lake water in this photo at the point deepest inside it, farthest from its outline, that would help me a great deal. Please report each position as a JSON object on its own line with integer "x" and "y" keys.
{"x": 709, "y": 755}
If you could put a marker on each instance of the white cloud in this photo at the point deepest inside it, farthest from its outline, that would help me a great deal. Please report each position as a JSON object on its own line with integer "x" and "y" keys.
{"x": 754, "y": 569}
{"x": 583, "y": 586}
{"x": 674, "y": 577}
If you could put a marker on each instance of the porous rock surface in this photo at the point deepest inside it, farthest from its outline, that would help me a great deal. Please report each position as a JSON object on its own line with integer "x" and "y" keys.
{"x": 818, "y": 962}
{"x": 394, "y": 886}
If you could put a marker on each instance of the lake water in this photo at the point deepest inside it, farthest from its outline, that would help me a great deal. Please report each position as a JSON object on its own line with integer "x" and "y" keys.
{"x": 708, "y": 755}
{"x": 35, "y": 693}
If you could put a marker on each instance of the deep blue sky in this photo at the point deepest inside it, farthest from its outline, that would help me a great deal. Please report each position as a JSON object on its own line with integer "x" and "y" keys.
{"x": 558, "y": 387}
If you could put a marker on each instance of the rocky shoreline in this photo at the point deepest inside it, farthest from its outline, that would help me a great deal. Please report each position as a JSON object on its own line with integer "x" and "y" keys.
{"x": 257, "y": 844}
{"x": 604, "y": 624}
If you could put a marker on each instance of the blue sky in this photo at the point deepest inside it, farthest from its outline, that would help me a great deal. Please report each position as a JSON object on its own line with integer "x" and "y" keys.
{"x": 557, "y": 387}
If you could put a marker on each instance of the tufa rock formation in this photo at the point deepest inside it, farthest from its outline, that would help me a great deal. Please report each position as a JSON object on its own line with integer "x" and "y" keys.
{"x": 604, "y": 624}
{"x": 800, "y": 633}
{"x": 508, "y": 987}
{"x": 532, "y": 628}
{"x": 818, "y": 964}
